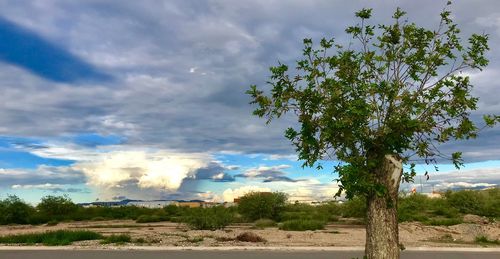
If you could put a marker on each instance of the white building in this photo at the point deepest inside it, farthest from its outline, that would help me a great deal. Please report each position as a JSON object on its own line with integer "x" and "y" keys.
{"x": 151, "y": 204}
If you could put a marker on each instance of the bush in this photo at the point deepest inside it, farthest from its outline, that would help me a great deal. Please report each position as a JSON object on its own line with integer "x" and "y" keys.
{"x": 249, "y": 237}
{"x": 51, "y": 238}
{"x": 118, "y": 239}
{"x": 15, "y": 211}
{"x": 209, "y": 218}
{"x": 466, "y": 201}
{"x": 355, "y": 207}
{"x": 259, "y": 205}
{"x": 302, "y": 225}
{"x": 56, "y": 207}
{"x": 264, "y": 223}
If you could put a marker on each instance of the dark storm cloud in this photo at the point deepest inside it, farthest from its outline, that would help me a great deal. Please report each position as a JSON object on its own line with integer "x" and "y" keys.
{"x": 182, "y": 67}
{"x": 214, "y": 172}
{"x": 43, "y": 174}
{"x": 268, "y": 174}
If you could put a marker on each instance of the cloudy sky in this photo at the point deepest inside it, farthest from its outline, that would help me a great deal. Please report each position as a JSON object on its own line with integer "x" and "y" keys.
{"x": 145, "y": 99}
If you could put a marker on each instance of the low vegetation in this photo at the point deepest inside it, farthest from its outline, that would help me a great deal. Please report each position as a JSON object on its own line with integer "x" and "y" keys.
{"x": 302, "y": 225}
{"x": 51, "y": 238}
{"x": 117, "y": 239}
{"x": 263, "y": 210}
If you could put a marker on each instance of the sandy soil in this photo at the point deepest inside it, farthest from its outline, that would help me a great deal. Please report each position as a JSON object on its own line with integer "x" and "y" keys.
{"x": 175, "y": 234}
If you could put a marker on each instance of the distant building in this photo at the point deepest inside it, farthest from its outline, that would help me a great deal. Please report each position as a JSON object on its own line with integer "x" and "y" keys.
{"x": 152, "y": 204}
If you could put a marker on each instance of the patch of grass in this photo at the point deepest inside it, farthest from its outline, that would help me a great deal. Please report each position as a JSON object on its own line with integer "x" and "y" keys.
{"x": 51, "y": 238}
{"x": 150, "y": 218}
{"x": 302, "y": 225}
{"x": 484, "y": 240}
{"x": 264, "y": 223}
{"x": 443, "y": 221}
{"x": 117, "y": 239}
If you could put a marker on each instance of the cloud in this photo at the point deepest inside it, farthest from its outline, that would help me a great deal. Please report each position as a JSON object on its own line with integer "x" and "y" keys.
{"x": 55, "y": 188}
{"x": 268, "y": 174}
{"x": 158, "y": 169}
{"x": 48, "y": 61}
{"x": 61, "y": 175}
{"x": 463, "y": 179}
{"x": 215, "y": 172}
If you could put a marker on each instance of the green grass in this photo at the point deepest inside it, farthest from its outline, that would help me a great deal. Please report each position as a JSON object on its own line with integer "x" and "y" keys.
{"x": 51, "y": 238}
{"x": 302, "y": 225}
{"x": 484, "y": 240}
{"x": 117, "y": 239}
{"x": 264, "y": 223}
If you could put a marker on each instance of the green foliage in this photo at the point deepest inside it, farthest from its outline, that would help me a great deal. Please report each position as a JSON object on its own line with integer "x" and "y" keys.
{"x": 15, "y": 211}
{"x": 355, "y": 207}
{"x": 50, "y": 238}
{"x": 258, "y": 205}
{"x": 264, "y": 223}
{"x": 399, "y": 89}
{"x": 209, "y": 218}
{"x": 56, "y": 207}
{"x": 151, "y": 218}
{"x": 302, "y": 225}
{"x": 484, "y": 240}
{"x": 117, "y": 239}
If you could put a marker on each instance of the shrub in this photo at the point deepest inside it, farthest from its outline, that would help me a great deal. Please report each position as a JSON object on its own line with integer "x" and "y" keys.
{"x": 15, "y": 211}
{"x": 56, "y": 207}
{"x": 355, "y": 207}
{"x": 264, "y": 223}
{"x": 466, "y": 201}
{"x": 302, "y": 225}
{"x": 117, "y": 239}
{"x": 209, "y": 218}
{"x": 482, "y": 239}
{"x": 249, "y": 237}
{"x": 150, "y": 218}
{"x": 51, "y": 238}
{"x": 443, "y": 222}
{"x": 259, "y": 205}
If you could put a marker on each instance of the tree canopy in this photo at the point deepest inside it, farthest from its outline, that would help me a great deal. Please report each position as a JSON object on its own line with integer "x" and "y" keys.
{"x": 396, "y": 89}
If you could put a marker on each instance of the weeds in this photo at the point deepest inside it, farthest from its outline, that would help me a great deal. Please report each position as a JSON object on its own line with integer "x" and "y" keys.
{"x": 51, "y": 238}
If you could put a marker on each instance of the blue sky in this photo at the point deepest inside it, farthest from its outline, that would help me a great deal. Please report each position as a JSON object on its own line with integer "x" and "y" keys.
{"x": 145, "y": 99}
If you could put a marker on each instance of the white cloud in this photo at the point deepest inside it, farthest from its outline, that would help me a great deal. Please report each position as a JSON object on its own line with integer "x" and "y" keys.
{"x": 159, "y": 169}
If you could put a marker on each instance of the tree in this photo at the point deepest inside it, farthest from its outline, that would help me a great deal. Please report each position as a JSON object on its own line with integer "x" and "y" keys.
{"x": 14, "y": 211}
{"x": 56, "y": 207}
{"x": 388, "y": 99}
{"x": 260, "y": 205}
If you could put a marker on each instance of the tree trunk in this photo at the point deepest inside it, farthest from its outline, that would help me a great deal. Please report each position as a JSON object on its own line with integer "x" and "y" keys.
{"x": 382, "y": 234}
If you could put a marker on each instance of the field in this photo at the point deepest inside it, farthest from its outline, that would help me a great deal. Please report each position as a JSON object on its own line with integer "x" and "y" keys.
{"x": 463, "y": 218}
{"x": 178, "y": 234}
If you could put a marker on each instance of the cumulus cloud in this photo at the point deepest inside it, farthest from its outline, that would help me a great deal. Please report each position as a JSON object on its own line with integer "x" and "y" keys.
{"x": 149, "y": 169}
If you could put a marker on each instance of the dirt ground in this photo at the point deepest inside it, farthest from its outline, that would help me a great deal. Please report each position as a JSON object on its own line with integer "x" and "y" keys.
{"x": 175, "y": 234}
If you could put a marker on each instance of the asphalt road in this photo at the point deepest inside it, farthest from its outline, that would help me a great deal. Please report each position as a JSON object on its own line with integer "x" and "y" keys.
{"x": 101, "y": 254}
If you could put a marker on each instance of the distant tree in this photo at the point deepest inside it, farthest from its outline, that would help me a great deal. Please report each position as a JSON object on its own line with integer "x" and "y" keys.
{"x": 56, "y": 207}
{"x": 14, "y": 211}
{"x": 393, "y": 94}
{"x": 260, "y": 205}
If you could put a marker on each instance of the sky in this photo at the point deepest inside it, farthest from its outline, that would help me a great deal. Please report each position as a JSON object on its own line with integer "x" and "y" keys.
{"x": 146, "y": 99}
